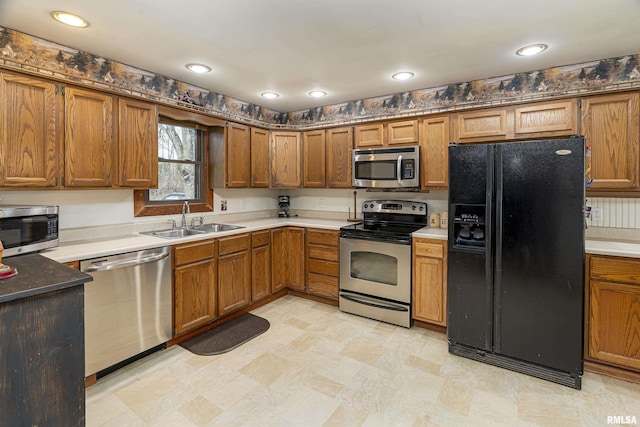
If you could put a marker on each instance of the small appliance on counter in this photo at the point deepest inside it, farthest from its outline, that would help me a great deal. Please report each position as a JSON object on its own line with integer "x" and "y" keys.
{"x": 283, "y": 202}
{"x": 25, "y": 229}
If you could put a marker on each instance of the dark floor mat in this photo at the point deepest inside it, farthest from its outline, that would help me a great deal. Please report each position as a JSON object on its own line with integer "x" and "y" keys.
{"x": 228, "y": 336}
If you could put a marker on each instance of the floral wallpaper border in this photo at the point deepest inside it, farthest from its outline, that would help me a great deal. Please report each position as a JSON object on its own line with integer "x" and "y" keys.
{"x": 32, "y": 54}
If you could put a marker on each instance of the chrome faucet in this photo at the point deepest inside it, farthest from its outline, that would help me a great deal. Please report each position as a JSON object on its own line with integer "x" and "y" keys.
{"x": 185, "y": 210}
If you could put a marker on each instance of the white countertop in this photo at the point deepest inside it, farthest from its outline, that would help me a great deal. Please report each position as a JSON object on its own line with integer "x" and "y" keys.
{"x": 432, "y": 233}
{"x": 630, "y": 249}
{"x": 93, "y": 248}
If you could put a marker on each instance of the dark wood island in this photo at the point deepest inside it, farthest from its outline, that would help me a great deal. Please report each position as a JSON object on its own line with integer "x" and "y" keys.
{"x": 42, "y": 344}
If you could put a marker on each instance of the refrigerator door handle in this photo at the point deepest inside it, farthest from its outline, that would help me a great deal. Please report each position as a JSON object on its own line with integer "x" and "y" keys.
{"x": 497, "y": 266}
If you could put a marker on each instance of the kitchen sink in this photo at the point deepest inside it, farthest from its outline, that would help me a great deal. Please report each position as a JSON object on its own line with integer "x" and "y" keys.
{"x": 215, "y": 228}
{"x": 194, "y": 231}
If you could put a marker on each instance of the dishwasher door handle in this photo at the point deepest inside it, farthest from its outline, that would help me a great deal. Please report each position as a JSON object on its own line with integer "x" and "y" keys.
{"x": 124, "y": 263}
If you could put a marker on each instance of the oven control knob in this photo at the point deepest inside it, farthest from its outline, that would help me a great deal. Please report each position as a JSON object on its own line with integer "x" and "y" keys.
{"x": 413, "y": 207}
{"x": 366, "y": 205}
{"x": 421, "y": 208}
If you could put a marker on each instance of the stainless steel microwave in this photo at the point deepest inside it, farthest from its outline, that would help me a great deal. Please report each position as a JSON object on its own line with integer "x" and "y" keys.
{"x": 397, "y": 167}
{"x": 26, "y": 229}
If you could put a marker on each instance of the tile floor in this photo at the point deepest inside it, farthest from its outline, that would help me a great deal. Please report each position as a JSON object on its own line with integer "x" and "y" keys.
{"x": 317, "y": 366}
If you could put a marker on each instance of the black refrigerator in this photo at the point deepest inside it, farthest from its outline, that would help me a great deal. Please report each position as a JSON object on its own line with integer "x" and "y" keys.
{"x": 515, "y": 265}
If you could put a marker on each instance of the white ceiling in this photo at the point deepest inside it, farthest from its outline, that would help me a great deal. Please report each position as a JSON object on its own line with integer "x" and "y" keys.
{"x": 348, "y": 48}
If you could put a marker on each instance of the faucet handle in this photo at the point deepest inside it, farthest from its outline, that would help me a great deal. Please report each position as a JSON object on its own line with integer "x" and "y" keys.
{"x": 185, "y": 207}
{"x": 173, "y": 223}
{"x": 200, "y": 220}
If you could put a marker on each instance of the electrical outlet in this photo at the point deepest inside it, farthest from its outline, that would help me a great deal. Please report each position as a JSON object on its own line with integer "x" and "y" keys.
{"x": 596, "y": 214}
{"x": 223, "y": 205}
{"x": 321, "y": 203}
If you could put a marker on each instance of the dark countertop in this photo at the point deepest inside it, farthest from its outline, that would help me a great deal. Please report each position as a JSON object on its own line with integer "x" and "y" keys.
{"x": 38, "y": 275}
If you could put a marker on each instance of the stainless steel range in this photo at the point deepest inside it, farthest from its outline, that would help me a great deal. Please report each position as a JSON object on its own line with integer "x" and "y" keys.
{"x": 375, "y": 260}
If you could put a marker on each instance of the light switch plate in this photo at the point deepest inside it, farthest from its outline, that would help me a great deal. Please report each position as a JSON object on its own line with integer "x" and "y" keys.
{"x": 596, "y": 214}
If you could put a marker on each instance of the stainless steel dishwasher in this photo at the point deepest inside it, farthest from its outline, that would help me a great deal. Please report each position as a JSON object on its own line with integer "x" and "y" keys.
{"x": 127, "y": 306}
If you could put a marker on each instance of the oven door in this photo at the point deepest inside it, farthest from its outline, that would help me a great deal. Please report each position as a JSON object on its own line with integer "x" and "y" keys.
{"x": 378, "y": 269}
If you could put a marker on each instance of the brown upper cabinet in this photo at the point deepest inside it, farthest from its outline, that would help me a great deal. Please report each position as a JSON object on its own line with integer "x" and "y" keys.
{"x": 286, "y": 159}
{"x": 259, "y": 158}
{"x": 536, "y": 120}
{"x": 237, "y": 156}
{"x": 434, "y": 158}
{"x": 382, "y": 134}
{"x": 339, "y": 149}
{"x": 138, "y": 144}
{"x": 30, "y": 132}
{"x": 313, "y": 149}
{"x": 483, "y": 125}
{"x": 610, "y": 125}
{"x": 89, "y": 140}
{"x": 546, "y": 119}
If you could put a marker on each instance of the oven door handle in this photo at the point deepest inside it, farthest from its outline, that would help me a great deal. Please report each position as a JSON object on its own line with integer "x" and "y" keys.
{"x": 390, "y": 306}
{"x": 399, "y": 169}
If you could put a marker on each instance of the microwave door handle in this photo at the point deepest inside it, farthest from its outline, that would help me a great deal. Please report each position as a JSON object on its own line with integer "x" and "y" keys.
{"x": 400, "y": 169}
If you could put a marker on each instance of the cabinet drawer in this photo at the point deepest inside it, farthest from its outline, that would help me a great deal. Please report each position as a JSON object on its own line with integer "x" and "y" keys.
{"x": 193, "y": 252}
{"x": 323, "y": 285}
{"x": 260, "y": 238}
{"x": 326, "y": 253}
{"x": 323, "y": 237}
{"x": 429, "y": 250}
{"x": 228, "y": 245}
{"x": 324, "y": 267}
{"x": 623, "y": 270}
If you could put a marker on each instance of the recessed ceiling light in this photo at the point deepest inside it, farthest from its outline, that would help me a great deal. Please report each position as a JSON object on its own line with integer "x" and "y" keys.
{"x": 403, "y": 75}
{"x": 531, "y": 49}
{"x": 317, "y": 93}
{"x": 270, "y": 95}
{"x": 198, "y": 68}
{"x": 69, "y": 19}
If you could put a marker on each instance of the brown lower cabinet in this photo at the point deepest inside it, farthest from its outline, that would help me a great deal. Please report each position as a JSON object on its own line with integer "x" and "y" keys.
{"x": 287, "y": 246}
{"x": 430, "y": 281}
{"x": 260, "y": 265}
{"x": 613, "y": 312}
{"x": 194, "y": 285}
{"x": 234, "y": 273}
{"x": 323, "y": 268}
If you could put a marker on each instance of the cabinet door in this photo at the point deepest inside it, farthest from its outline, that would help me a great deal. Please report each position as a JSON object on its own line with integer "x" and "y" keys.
{"x": 234, "y": 281}
{"x": 610, "y": 124}
{"x": 295, "y": 259}
{"x": 435, "y": 153}
{"x": 429, "y": 282}
{"x": 260, "y": 272}
{"x": 313, "y": 149}
{"x": 402, "y": 133}
{"x": 30, "y": 132}
{"x": 339, "y": 157}
{"x": 259, "y": 158}
{"x": 367, "y": 136}
{"x": 89, "y": 140}
{"x": 614, "y": 310}
{"x": 138, "y": 144}
{"x": 285, "y": 159}
{"x": 547, "y": 119}
{"x": 485, "y": 125}
{"x": 237, "y": 156}
{"x": 195, "y": 295}
{"x": 278, "y": 260}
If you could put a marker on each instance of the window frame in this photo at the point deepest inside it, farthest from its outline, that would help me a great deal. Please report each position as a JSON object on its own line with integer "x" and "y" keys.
{"x": 141, "y": 204}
